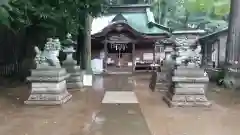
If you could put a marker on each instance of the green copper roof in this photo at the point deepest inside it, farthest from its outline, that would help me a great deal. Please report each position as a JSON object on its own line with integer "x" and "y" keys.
{"x": 138, "y": 20}
{"x": 214, "y": 35}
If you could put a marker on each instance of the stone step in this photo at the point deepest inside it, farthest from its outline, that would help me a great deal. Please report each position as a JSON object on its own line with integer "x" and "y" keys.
{"x": 119, "y": 119}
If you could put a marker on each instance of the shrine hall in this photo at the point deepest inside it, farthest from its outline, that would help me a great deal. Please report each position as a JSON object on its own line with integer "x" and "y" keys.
{"x": 125, "y": 38}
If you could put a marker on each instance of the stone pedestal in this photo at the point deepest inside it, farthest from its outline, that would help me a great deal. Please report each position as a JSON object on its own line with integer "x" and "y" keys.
{"x": 188, "y": 88}
{"x": 75, "y": 81}
{"x": 48, "y": 87}
{"x": 163, "y": 79}
{"x": 232, "y": 78}
{"x": 166, "y": 75}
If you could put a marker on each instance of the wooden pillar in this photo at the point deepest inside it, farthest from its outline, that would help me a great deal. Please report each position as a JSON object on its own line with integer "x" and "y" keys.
{"x": 133, "y": 57}
{"x": 154, "y": 54}
{"x": 203, "y": 53}
{"x": 206, "y": 53}
{"x": 218, "y": 52}
{"x": 106, "y": 54}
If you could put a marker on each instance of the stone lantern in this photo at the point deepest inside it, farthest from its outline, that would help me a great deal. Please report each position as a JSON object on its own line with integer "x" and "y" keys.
{"x": 75, "y": 81}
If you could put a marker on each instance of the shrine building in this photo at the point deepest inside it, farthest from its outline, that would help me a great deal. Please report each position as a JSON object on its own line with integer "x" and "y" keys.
{"x": 125, "y": 38}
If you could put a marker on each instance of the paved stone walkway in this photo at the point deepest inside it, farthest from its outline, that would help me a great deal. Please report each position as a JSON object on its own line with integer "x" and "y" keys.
{"x": 120, "y": 113}
{"x": 118, "y": 105}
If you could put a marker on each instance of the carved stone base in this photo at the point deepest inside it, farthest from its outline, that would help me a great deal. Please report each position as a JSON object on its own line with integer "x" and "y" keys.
{"x": 186, "y": 100}
{"x": 48, "y": 99}
{"x": 48, "y": 87}
{"x": 163, "y": 82}
{"x": 232, "y": 80}
{"x": 159, "y": 81}
{"x": 75, "y": 81}
{"x": 188, "y": 88}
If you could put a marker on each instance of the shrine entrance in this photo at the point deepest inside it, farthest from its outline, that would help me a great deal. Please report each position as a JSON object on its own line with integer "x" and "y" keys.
{"x": 119, "y": 50}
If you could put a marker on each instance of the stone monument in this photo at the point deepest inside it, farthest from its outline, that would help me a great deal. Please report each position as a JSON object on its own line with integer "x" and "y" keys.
{"x": 48, "y": 80}
{"x": 188, "y": 89}
{"x": 161, "y": 78}
{"x": 75, "y": 81}
{"x": 189, "y": 81}
{"x": 164, "y": 76}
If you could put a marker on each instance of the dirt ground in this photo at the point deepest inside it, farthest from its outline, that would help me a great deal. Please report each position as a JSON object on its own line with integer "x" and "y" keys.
{"x": 76, "y": 116}
{"x": 72, "y": 118}
{"x": 221, "y": 119}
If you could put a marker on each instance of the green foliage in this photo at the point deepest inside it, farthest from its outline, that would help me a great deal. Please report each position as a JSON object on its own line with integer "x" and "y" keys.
{"x": 200, "y": 12}
{"x": 60, "y": 16}
{"x": 32, "y": 21}
{"x": 3, "y": 12}
{"x": 198, "y": 5}
{"x": 4, "y": 2}
{"x": 221, "y": 7}
{"x": 4, "y": 16}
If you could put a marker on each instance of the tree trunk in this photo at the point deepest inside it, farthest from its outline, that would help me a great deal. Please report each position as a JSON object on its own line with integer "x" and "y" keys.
{"x": 163, "y": 8}
{"x": 80, "y": 42}
{"x": 233, "y": 40}
{"x": 79, "y": 46}
{"x": 232, "y": 72}
{"x": 87, "y": 43}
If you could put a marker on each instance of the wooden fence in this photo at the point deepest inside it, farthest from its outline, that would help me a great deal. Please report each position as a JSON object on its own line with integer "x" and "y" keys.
{"x": 8, "y": 70}
{"x": 9, "y": 53}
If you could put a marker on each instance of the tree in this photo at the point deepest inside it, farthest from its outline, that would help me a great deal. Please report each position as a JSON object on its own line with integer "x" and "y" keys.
{"x": 159, "y": 8}
{"x": 233, "y": 46}
{"x": 221, "y": 8}
{"x": 198, "y": 5}
{"x": 86, "y": 10}
{"x": 183, "y": 11}
{"x": 3, "y": 12}
{"x": 35, "y": 20}
{"x": 55, "y": 17}
{"x": 233, "y": 40}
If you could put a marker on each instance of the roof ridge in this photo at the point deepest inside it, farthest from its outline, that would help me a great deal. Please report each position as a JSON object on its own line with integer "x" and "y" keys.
{"x": 119, "y": 17}
{"x": 214, "y": 34}
{"x": 151, "y": 21}
{"x": 130, "y": 5}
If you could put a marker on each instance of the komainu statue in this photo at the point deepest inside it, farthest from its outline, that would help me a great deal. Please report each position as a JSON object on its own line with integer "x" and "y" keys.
{"x": 48, "y": 80}
{"x": 189, "y": 57}
{"x": 48, "y": 58}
